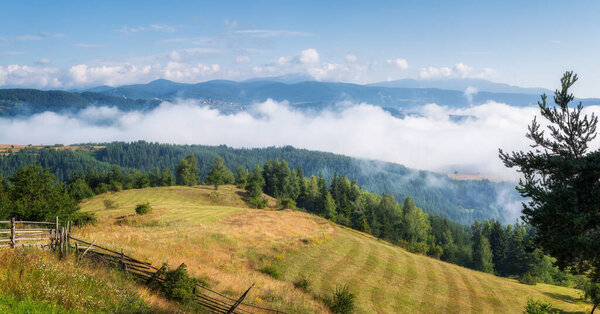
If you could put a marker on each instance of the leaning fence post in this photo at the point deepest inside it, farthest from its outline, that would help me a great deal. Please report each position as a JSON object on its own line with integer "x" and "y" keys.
{"x": 12, "y": 232}
{"x": 123, "y": 261}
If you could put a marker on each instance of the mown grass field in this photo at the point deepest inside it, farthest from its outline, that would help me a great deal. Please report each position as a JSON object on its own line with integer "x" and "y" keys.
{"x": 227, "y": 244}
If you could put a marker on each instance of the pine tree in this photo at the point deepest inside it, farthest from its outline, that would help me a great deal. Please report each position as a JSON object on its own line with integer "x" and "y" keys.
{"x": 241, "y": 177}
{"x": 562, "y": 180}
{"x": 187, "y": 171}
{"x": 498, "y": 244}
{"x": 219, "y": 174}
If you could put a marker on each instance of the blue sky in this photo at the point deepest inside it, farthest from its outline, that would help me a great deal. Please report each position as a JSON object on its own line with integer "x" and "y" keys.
{"x": 72, "y": 44}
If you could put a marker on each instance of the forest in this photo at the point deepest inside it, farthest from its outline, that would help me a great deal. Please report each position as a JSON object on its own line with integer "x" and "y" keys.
{"x": 461, "y": 201}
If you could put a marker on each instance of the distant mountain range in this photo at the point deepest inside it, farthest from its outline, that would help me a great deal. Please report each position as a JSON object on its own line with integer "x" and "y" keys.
{"x": 463, "y": 84}
{"x": 398, "y": 97}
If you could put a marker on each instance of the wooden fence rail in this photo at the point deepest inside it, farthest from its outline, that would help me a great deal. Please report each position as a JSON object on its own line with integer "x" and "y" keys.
{"x": 23, "y": 233}
{"x": 57, "y": 237}
{"x": 210, "y": 299}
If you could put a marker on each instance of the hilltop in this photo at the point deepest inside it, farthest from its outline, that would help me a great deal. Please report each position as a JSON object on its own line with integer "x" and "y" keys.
{"x": 231, "y": 246}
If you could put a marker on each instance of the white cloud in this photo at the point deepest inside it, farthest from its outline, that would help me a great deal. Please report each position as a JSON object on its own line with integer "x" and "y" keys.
{"x": 265, "y": 33}
{"x": 242, "y": 59}
{"x": 430, "y": 140}
{"x": 459, "y": 70}
{"x": 82, "y": 45}
{"x": 15, "y": 53}
{"x": 189, "y": 54}
{"x": 30, "y": 37}
{"x": 399, "y": 63}
{"x": 470, "y": 92}
{"x": 40, "y": 36}
{"x": 142, "y": 28}
{"x": 85, "y": 75}
{"x": 435, "y": 73}
{"x": 43, "y": 61}
{"x": 309, "y": 56}
{"x": 351, "y": 58}
{"x": 23, "y": 75}
{"x": 196, "y": 41}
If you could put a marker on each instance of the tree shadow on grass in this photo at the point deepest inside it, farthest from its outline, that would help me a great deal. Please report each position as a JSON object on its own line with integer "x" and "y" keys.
{"x": 564, "y": 298}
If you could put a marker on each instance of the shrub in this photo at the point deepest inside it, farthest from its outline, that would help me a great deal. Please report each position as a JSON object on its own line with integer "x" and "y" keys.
{"x": 287, "y": 203}
{"x": 80, "y": 218}
{"x": 342, "y": 300}
{"x": 419, "y": 248}
{"x": 108, "y": 204}
{"x": 592, "y": 293}
{"x": 177, "y": 284}
{"x": 142, "y": 209}
{"x": 302, "y": 283}
{"x": 258, "y": 202}
{"x": 271, "y": 271}
{"x": 537, "y": 307}
{"x": 528, "y": 279}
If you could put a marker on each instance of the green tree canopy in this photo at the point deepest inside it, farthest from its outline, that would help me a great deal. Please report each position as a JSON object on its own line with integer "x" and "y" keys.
{"x": 219, "y": 174}
{"x": 562, "y": 181}
{"x": 187, "y": 171}
{"x": 34, "y": 194}
{"x": 415, "y": 222}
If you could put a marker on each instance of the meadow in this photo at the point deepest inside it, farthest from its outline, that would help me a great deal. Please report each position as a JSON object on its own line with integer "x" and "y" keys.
{"x": 230, "y": 247}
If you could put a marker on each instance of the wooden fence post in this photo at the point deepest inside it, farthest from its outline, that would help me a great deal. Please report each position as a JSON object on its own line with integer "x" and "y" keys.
{"x": 12, "y": 232}
{"x": 123, "y": 261}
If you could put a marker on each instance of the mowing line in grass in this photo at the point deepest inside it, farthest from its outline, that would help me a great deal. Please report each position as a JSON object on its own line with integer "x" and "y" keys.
{"x": 454, "y": 297}
{"x": 380, "y": 297}
{"x": 330, "y": 276}
{"x": 476, "y": 305}
{"x": 363, "y": 271}
{"x": 492, "y": 298}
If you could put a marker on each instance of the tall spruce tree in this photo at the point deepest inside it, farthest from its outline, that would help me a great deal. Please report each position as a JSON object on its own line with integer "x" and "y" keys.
{"x": 187, "y": 171}
{"x": 562, "y": 181}
{"x": 219, "y": 174}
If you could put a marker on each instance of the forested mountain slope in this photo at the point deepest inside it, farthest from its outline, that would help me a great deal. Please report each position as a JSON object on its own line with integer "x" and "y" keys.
{"x": 463, "y": 201}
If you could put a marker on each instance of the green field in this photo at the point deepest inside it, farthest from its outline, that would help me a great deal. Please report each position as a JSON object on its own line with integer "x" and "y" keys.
{"x": 228, "y": 244}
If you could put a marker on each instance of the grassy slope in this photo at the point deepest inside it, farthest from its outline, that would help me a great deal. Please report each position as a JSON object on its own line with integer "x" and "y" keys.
{"x": 226, "y": 243}
{"x": 33, "y": 281}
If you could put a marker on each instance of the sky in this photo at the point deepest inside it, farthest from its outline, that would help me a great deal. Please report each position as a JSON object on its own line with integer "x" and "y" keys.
{"x": 78, "y": 44}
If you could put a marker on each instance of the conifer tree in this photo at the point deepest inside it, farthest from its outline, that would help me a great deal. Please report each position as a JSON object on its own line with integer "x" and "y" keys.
{"x": 561, "y": 179}
{"x": 219, "y": 174}
{"x": 187, "y": 171}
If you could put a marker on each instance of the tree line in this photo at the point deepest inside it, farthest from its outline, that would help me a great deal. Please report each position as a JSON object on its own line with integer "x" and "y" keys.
{"x": 461, "y": 201}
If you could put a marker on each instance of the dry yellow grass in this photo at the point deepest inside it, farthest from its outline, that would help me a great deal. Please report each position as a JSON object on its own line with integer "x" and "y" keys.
{"x": 228, "y": 244}
{"x": 4, "y": 148}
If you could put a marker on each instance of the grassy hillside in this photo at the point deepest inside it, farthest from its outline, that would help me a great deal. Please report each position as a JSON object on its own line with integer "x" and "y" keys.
{"x": 34, "y": 281}
{"x": 228, "y": 245}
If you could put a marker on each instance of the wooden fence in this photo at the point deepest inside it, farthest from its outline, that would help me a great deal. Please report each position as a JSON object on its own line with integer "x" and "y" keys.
{"x": 58, "y": 238}
{"x": 31, "y": 233}
{"x": 210, "y": 299}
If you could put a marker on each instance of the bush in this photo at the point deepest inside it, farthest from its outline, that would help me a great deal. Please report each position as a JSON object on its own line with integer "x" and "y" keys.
{"x": 302, "y": 283}
{"x": 287, "y": 203}
{"x": 528, "y": 279}
{"x": 258, "y": 202}
{"x": 342, "y": 300}
{"x": 419, "y": 248}
{"x": 142, "y": 209}
{"x": 108, "y": 204}
{"x": 80, "y": 218}
{"x": 271, "y": 271}
{"x": 177, "y": 284}
{"x": 537, "y": 307}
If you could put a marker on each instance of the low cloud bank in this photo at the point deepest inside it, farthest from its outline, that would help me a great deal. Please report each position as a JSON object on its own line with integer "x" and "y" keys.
{"x": 433, "y": 139}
